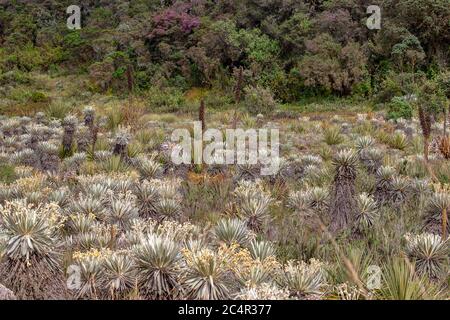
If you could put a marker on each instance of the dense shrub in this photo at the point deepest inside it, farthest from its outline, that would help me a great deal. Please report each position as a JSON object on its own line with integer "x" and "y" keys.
{"x": 15, "y": 77}
{"x": 167, "y": 100}
{"x": 294, "y": 48}
{"x": 399, "y": 108}
{"x": 332, "y": 66}
{"x": 259, "y": 100}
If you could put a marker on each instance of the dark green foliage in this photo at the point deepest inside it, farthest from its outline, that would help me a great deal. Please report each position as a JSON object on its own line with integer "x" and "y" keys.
{"x": 37, "y": 96}
{"x": 399, "y": 108}
{"x": 295, "y": 49}
{"x": 259, "y": 100}
{"x": 7, "y": 173}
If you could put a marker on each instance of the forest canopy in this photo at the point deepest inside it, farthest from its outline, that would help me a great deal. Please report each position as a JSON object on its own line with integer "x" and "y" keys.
{"x": 292, "y": 48}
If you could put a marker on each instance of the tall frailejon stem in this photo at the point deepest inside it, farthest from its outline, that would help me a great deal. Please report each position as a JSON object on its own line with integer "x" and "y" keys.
{"x": 343, "y": 203}
{"x": 89, "y": 121}
{"x": 70, "y": 127}
{"x": 201, "y": 114}
{"x": 425, "y": 124}
{"x": 121, "y": 142}
{"x": 89, "y": 116}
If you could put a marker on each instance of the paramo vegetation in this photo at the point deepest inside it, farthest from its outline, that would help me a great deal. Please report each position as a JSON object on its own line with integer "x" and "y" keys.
{"x": 90, "y": 212}
{"x": 92, "y": 207}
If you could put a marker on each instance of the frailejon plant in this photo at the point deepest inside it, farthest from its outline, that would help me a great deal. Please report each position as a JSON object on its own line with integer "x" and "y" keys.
{"x": 383, "y": 188}
{"x": 367, "y": 213}
{"x": 371, "y": 159}
{"x": 231, "y": 231}
{"x": 437, "y": 204}
{"x": 119, "y": 275}
{"x": 205, "y": 275}
{"x": 121, "y": 141}
{"x": 30, "y": 264}
{"x": 84, "y": 138}
{"x": 429, "y": 253}
{"x": 253, "y": 204}
{"x": 303, "y": 279}
{"x": 261, "y": 250}
{"x": 121, "y": 209}
{"x": 343, "y": 199}
{"x": 156, "y": 259}
{"x": 70, "y": 126}
{"x": 148, "y": 168}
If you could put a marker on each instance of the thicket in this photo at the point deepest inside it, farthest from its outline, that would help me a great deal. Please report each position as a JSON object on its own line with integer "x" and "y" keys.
{"x": 294, "y": 49}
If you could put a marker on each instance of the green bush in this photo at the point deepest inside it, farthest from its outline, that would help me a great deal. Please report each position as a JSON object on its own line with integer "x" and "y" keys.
{"x": 259, "y": 100}
{"x": 38, "y": 96}
{"x": 166, "y": 100}
{"x": 391, "y": 86}
{"x": 7, "y": 173}
{"x": 15, "y": 77}
{"x": 443, "y": 80}
{"x": 399, "y": 108}
{"x": 32, "y": 58}
{"x": 217, "y": 101}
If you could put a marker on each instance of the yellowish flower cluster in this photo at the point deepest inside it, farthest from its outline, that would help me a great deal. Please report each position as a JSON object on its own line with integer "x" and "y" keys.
{"x": 92, "y": 254}
{"x": 441, "y": 187}
{"x": 31, "y": 183}
{"x": 245, "y": 187}
{"x": 232, "y": 258}
{"x": 177, "y": 231}
{"x": 203, "y": 257}
{"x": 54, "y": 216}
{"x": 241, "y": 262}
{"x": 127, "y": 196}
{"x": 170, "y": 228}
{"x": 50, "y": 211}
{"x": 103, "y": 230}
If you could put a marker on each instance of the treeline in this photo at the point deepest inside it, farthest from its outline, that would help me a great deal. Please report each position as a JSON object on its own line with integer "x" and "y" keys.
{"x": 291, "y": 48}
